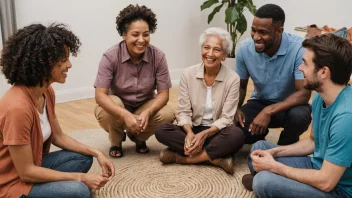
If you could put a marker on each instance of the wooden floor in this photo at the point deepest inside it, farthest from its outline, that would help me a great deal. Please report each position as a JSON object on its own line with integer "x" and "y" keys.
{"x": 79, "y": 115}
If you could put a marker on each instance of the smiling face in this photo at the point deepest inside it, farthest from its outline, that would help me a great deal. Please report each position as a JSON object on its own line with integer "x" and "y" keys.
{"x": 311, "y": 80}
{"x": 266, "y": 35}
{"x": 212, "y": 52}
{"x": 137, "y": 38}
{"x": 60, "y": 69}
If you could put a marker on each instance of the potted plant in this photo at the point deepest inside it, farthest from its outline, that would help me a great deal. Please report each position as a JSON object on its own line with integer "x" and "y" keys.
{"x": 234, "y": 18}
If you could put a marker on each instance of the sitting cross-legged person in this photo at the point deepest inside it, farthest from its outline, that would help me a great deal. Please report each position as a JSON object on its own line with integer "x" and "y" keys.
{"x": 208, "y": 92}
{"x": 287, "y": 171}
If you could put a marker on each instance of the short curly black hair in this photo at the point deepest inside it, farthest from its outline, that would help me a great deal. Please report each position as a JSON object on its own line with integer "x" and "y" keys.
{"x": 133, "y": 13}
{"x": 272, "y": 11}
{"x": 29, "y": 55}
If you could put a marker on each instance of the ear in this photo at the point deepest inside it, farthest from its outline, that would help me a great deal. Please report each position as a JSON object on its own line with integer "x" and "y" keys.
{"x": 124, "y": 36}
{"x": 280, "y": 30}
{"x": 324, "y": 72}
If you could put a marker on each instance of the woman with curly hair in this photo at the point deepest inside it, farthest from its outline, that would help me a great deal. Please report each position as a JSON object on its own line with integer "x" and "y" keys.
{"x": 128, "y": 75}
{"x": 32, "y": 59}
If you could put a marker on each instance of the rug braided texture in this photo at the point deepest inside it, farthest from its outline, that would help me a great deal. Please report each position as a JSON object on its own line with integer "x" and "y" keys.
{"x": 139, "y": 175}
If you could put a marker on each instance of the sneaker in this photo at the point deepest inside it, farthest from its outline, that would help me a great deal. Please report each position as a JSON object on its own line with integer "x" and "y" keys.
{"x": 247, "y": 181}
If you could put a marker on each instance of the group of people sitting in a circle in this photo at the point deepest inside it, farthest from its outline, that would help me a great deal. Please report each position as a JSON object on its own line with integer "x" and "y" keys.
{"x": 211, "y": 123}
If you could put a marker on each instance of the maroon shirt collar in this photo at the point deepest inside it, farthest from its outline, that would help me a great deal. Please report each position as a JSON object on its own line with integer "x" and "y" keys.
{"x": 125, "y": 56}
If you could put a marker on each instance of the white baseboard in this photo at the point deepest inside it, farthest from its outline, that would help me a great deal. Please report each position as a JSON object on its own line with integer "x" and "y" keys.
{"x": 74, "y": 94}
{"x": 175, "y": 82}
{"x": 88, "y": 92}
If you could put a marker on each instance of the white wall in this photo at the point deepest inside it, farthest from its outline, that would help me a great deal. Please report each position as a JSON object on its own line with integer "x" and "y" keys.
{"x": 180, "y": 23}
{"x": 335, "y": 13}
{"x": 3, "y": 83}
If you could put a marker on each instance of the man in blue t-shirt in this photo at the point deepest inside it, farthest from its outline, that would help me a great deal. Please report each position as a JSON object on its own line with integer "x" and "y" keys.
{"x": 287, "y": 171}
{"x": 271, "y": 59}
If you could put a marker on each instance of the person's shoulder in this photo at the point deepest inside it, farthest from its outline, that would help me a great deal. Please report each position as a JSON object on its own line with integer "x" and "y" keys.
{"x": 192, "y": 70}
{"x": 155, "y": 50}
{"x": 231, "y": 74}
{"x": 346, "y": 100}
{"x": 246, "y": 44}
{"x": 114, "y": 49}
{"x": 294, "y": 40}
{"x": 15, "y": 102}
{"x": 14, "y": 96}
{"x": 112, "y": 53}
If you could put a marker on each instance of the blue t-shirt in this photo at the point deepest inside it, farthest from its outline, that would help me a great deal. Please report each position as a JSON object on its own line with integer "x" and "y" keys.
{"x": 333, "y": 135}
{"x": 273, "y": 77}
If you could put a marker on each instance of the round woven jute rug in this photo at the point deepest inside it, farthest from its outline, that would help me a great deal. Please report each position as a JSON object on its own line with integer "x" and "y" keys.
{"x": 139, "y": 175}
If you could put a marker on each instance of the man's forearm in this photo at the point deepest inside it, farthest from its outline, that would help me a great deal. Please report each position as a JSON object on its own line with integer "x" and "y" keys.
{"x": 311, "y": 177}
{"x": 243, "y": 93}
{"x": 298, "y": 98}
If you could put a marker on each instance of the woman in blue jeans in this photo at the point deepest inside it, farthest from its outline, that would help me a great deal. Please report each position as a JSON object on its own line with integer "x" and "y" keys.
{"x": 33, "y": 58}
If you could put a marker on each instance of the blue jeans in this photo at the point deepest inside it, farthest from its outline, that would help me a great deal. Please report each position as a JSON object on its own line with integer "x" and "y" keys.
{"x": 64, "y": 161}
{"x": 267, "y": 184}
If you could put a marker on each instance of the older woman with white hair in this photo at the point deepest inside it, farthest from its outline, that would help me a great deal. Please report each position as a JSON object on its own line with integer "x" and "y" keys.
{"x": 208, "y": 97}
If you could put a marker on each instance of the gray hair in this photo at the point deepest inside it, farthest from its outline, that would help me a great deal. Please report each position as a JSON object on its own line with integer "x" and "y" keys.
{"x": 225, "y": 36}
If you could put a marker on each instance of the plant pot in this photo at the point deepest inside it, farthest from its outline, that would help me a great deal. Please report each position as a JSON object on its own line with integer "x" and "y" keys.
{"x": 230, "y": 63}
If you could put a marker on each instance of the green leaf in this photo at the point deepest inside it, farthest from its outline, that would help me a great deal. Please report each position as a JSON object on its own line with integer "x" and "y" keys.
{"x": 249, "y": 4}
{"x": 231, "y": 15}
{"x": 241, "y": 24}
{"x": 208, "y": 4}
{"x": 240, "y": 6}
{"x": 216, "y": 9}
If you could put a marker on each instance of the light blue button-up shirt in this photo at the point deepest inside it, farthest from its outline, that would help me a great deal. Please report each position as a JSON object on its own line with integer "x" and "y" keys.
{"x": 273, "y": 77}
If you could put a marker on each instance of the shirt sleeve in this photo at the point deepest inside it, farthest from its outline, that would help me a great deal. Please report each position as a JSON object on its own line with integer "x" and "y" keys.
{"x": 229, "y": 107}
{"x": 241, "y": 68}
{"x": 51, "y": 94}
{"x": 184, "y": 111}
{"x": 339, "y": 147}
{"x": 163, "y": 80}
{"x": 17, "y": 126}
{"x": 105, "y": 73}
{"x": 298, "y": 62}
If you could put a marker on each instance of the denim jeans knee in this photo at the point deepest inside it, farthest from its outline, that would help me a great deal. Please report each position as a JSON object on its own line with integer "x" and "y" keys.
{"x": 69, "y": 189}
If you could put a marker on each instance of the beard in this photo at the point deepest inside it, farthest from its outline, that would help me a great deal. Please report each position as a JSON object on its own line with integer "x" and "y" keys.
{"x": 267, "y": 45}
{"x": 313, "y": 86}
